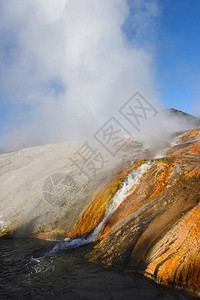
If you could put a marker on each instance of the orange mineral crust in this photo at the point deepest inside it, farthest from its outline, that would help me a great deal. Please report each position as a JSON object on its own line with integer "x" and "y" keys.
{"x": 156, "y": 229}
{"x": 95, "y": 213}
{"x": 175, "y": 259}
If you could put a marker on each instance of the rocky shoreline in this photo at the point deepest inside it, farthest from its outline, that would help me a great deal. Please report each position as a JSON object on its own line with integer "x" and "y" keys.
{"x": 155, "y": 230}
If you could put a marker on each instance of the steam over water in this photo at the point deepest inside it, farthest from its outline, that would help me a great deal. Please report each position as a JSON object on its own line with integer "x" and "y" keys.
{"x": 174, "y": 142}
{"x": 133, "y": 179}
{"x": 67, "y": 276}
{"x": 126, "y": 189}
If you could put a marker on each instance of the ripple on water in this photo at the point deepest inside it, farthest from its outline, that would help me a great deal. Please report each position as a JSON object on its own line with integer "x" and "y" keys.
{"x": 66, "y": 275}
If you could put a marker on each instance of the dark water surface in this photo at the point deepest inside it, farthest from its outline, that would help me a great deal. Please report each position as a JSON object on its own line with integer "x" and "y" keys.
{"x": 67, "y": 275}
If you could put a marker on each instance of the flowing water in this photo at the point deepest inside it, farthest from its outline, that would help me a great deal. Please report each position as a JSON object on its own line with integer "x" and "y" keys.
{"x": 174, "y": 142}
{"x": 36, "y": 269}
{"x": 66, "y": 275}
{"x": 131, "y": 182}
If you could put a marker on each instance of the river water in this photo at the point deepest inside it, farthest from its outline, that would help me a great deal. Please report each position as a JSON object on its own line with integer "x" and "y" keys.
{"x": 45, "y": 270}
{"x": 67, "y": 275}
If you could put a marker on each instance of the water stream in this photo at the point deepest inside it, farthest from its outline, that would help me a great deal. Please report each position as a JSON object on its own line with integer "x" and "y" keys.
{"x": 66, "y": 274}
{"x": 133, "y": 179}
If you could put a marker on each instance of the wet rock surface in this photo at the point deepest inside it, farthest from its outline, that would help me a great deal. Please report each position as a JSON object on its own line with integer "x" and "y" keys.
{"x": 42, "y": 192}
{"x": 156, "y": 230}
{"x": 67, "y": 275}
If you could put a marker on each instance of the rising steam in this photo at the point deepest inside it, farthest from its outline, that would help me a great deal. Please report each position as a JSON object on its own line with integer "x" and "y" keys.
{"x": 68, "y": 64}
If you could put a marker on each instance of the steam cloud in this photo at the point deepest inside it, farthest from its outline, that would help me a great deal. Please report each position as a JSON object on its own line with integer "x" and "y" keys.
{"x": 66, "y": 65}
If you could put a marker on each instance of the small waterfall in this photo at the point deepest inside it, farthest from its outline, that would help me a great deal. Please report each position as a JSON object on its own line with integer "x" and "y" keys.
{"x": 174, "y": 142}
{"x": 133, "y": 179}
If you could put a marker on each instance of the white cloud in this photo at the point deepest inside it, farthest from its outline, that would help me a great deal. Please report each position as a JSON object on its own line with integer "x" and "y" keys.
{"x": 71, "y": 64}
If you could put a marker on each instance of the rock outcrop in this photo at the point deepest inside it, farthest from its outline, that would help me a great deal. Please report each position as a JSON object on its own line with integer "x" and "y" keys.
{"x": 156, "y": 229}
{"x": 42, "y": 192}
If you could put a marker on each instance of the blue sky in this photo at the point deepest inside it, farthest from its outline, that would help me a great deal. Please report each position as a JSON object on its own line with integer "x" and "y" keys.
{"x": 174, "y": 45}
{"x": 178, "y": 54}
